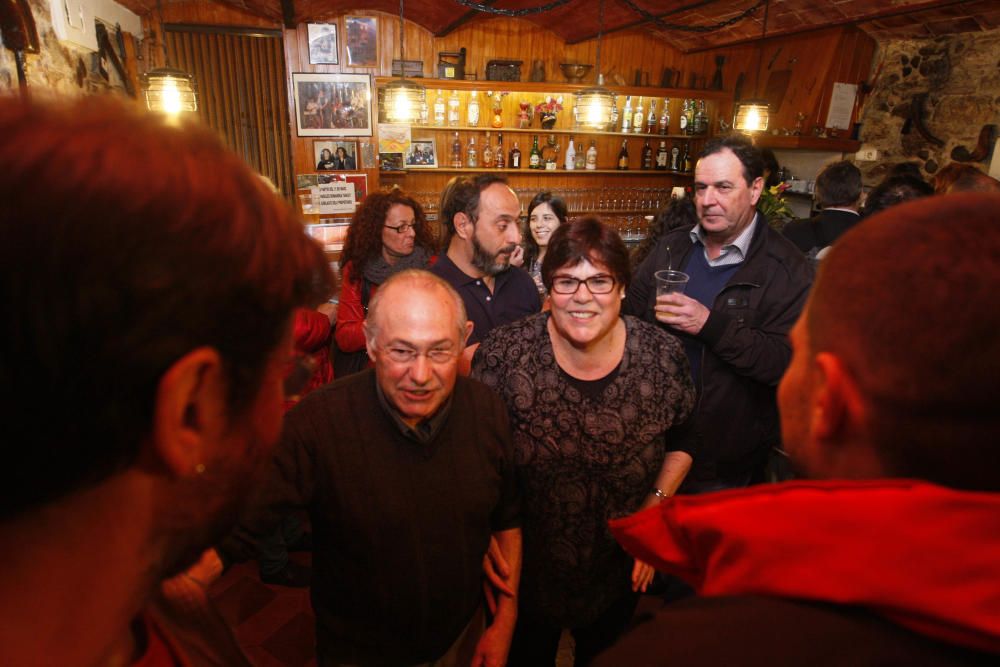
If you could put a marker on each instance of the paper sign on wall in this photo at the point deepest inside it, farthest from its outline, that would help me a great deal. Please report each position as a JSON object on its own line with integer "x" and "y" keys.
{"x": 841, "y": 105}
{"x": 337, "y": 197}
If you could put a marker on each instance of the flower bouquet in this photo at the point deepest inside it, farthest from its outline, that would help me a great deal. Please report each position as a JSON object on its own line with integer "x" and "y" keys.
{"x": 773, "y": 207}
{"x": 547, "y": 111}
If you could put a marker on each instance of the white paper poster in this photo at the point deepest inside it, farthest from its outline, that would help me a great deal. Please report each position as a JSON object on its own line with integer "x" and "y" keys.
{"x": 335, "y": 197}
{"x": 841, "y": 105}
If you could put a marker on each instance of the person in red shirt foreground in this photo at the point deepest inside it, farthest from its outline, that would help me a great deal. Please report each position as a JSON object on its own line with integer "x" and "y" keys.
{"x": 892, "y": 554}
{"x": 148, "y": 279}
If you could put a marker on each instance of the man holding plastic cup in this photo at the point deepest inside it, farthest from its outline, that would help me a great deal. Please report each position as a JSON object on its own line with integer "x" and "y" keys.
{"x": 746, "y": 287}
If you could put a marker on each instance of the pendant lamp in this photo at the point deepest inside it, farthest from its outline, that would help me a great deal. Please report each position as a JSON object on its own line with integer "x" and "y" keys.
{"x": 594, "y": 105}
{"x": 753, "y": 115}
{"x": 402, "y": 99}
{"x": 167, "y": 89}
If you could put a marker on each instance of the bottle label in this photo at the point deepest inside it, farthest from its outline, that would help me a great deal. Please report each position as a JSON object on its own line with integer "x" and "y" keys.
{"x": 534, "y": 160}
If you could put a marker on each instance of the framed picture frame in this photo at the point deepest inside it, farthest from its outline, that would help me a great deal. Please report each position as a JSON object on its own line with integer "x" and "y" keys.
{"x": 391, "y": 161}
{"x": 323, "y": 46}
{"x": 335, "y": 155}
{"x": 361, "y": 40}
{"x": 422, "y": 154}
{"x": 332, "y": 105}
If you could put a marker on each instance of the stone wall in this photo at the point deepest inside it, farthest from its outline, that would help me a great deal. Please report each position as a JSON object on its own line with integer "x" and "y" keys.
{"x": 59, "y": 69}
{"x": 960, "y": 75}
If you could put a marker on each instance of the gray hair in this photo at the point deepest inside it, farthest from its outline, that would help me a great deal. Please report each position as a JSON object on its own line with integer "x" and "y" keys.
{"x": 419, "y": 279}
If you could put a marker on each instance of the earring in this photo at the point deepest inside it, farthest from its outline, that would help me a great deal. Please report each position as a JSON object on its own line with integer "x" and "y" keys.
{"x": 200, "y": 468}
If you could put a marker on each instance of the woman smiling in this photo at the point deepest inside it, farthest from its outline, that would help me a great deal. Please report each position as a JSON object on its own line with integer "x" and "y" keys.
{"x": 592, "y": 398}
{"x": 545, "y": 213}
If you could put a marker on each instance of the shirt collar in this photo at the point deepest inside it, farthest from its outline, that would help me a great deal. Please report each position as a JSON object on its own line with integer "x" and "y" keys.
{"x": 740, "y": 245}
{"x": 425, "y": 431}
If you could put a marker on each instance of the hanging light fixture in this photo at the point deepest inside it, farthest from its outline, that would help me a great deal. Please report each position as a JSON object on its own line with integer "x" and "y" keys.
{"x": 594, "y": 105}
{"x": 167, "y": 89}
{"x": 753, "y": 115}
{"x": 402, "y": 99}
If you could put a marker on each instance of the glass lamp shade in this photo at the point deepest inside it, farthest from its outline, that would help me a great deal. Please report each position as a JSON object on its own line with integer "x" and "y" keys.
{"x": 593, "y": 108}
{"x": 751, "y": 116}
{"x": 169, "y": 90}
{"x": 402, "y": 101}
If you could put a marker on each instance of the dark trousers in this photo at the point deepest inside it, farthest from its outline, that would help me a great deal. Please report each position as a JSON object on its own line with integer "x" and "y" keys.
{"x": 272, "y": 551}
{"x": 535, "y": 644}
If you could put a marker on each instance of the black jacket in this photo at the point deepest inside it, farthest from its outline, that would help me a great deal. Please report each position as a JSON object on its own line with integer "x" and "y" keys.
{"x": 820, "y": 230}
{"x": 746, "y": 346}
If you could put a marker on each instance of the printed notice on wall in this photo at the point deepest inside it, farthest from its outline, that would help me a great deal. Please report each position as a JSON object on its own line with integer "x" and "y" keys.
{"x": 841, "y": 105}
{"x": 334, "y": 198}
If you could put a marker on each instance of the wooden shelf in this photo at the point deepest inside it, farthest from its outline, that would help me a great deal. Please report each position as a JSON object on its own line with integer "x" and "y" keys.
{"x": 558, "y": 87}
{"x": 534, "y": 172}
{"x": 807, "y": 143}
{"x": 541, "y": 131}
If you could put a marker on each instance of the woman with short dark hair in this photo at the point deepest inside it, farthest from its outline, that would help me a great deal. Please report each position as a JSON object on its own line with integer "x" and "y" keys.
{"x": 593, "y": 399}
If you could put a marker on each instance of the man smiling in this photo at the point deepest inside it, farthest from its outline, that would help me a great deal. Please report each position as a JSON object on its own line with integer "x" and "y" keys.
{"x": 747, "y": 287}
{"x": 406, "y": 472}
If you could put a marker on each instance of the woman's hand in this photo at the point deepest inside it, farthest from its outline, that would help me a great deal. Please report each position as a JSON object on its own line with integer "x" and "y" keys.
{"x": 642, "y": 575}
{"x": 517, "y": 257}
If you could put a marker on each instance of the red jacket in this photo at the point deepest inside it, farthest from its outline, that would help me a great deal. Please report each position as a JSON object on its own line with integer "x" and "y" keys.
{"x": 351, "y": 314}
{"x": 922, "y": 556}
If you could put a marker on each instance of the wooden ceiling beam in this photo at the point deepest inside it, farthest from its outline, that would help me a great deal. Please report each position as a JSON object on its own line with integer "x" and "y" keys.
{"x": 288, "y": 13}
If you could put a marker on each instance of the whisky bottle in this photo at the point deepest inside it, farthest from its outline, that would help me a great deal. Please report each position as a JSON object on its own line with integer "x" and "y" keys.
{"x": 454, "y": 106}
{"x": 499, "y": 159}
{"x": 550, "y": 153}
{"x": 683, "y": 120}
{"x": 638, "y": 118}
{"x": 515, "y": 157}
{"x": 456, "y": 152}
{"x": 439, "y": 110}
{"x": 675, "y": 158}
{"x": 701, "y": 119}
{"x": 472, "y": 112}
{"x": 487, "y": 153}
{"x": 647, "y": 156}
{"x": 688, "y": 163}
{"x": 535, "y": 157}
{"x": 661, "y": 156}
{"x": 591, "y": 159}
{"x": 471, "y": 154}
{"x": 690, "y": 118}
{"x": 622, "y": 162}
{"x": 664, "y": 125}
{"x": 651, "y": 117}
{"x": 627, "y": 115}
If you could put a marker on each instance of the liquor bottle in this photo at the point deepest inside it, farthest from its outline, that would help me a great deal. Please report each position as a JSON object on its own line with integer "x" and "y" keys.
{"x": 471, "y": 154}
{"x": 651, "y": 117}
{"x": 661, "y": 156}
{"x": 664, "y": 125}
{"x": 688, "y": 163}
{"x": 591, "y": 159}
{"x": 613, "y": 125}
{"x": 581, "y": 159}
{"x": 423, "y": 112}
{"x": 701, "y": 119}
{"x": 550, "y": 153}
{"x": 638, "y": 118}
{"x": 454, "y": 106}
{"x": 690, "y": 118}
{"x": 627, "y": 115}
{"x": 439, "y": 110}
{"x": 515, "y": 157}
{"x": 675, "y": 158}
{"x": 487, "y": 153}
{"x": 647, "y": 156}
{"x": 535, "y": 157}
{"x": 472, "y": 112}
{"x": 571, "y": 155}
{"x": 622, "y": 162}
{"x": 499, "y": 159}
{"x": 456, "y": 151}
{"x": 683, "y": 120}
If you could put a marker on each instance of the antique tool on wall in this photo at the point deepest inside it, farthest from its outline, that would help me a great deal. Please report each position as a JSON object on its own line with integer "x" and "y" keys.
{"x": 17, "y": 27}
{"x": 451, "y": 64}
{"x": 982, "y": 150}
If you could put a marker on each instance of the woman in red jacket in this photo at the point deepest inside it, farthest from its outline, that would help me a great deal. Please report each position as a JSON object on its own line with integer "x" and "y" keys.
{"x": 389, "y": 233}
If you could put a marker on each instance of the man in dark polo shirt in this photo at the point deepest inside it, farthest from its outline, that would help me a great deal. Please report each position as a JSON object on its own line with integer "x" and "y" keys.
{"x": 406, "y": 472}
{"x": 482, "y": 218}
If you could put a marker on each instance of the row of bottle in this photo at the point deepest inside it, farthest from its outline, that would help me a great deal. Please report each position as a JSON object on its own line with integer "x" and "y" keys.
{"x": 664, "y": 160}
{"x": 693, "y": 118}
{"x": 546, "y": 156}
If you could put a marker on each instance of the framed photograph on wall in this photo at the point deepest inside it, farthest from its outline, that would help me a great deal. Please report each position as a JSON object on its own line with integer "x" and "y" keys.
{"x": 323, "y": 44}
{"x": 332, "y": 105}
{"x": 362, "y": 40}
{"x": 335, "y": 155}
{"x": 421, "y": 154}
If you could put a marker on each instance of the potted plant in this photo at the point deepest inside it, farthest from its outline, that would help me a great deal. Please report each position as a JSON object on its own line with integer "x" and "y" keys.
{"x": 547, "y": 111}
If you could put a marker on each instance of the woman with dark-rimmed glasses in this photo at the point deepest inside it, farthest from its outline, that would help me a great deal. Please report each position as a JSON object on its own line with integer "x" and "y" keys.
{"x": 593, "y": 399}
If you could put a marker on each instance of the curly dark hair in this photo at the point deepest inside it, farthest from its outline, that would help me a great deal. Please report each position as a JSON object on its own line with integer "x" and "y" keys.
{"x": 680, "y": 212}
{"x": 558, "y": 206}
{"x": 364, "y": 236}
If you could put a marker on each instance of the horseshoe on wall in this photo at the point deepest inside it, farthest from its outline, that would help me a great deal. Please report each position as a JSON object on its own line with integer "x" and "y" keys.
{"x": 982, "y": 149}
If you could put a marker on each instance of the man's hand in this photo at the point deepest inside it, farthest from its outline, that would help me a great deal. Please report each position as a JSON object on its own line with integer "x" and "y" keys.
{"x": 642, "y": 575}
{"x": 517, "y": 257}
{"x": 493, "y": 647}
{"x": 681, "y": 312}
{"x": 188, "y": 591}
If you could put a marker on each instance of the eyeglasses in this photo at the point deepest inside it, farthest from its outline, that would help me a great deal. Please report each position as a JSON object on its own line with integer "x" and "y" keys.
{"x": 405, "y": 355}
{"x": 599, "y": 284}
{"x": 401, "y": 229}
